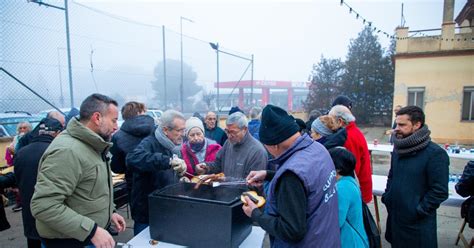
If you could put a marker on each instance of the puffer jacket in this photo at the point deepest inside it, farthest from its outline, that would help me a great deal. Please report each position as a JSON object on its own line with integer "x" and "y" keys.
{"x": 131, "y": 133}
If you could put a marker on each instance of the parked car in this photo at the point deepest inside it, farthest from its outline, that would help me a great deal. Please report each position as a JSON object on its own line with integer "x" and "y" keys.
{"x": 44, "y": 113}
{"x": 120, "y": 120}
{"x": 156, "y": 114}
{"x": 9, "y": 121}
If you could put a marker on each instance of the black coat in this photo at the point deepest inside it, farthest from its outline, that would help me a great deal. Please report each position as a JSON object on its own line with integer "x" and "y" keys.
{"x": 26, "y": 170}
{"x": 150, "y": 162}
{"x": 417, "y": 185}
{"x": 336, "y": 139}
{"x": 125, "y": 140}
{"x": 6, "y": 181}
{"x": 465, "y": 188}
{"x": 216, "y": 134}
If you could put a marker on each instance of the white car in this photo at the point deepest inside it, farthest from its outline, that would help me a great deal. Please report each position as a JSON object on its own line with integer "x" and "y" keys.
{"x": 44, "y": 113}
{"x": 156, "y": 114}
{"x": 9, "y": 121}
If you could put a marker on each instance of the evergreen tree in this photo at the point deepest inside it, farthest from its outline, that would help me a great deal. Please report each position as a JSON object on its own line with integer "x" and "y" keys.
{"x": 325, "y": 84}
{"x": 173, "y": 82}
{"x": 388, "y": 71}
{"x": 368, "y": 79}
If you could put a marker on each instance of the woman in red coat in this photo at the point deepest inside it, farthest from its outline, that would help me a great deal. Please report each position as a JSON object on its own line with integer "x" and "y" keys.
{"x": 197, "y": 149}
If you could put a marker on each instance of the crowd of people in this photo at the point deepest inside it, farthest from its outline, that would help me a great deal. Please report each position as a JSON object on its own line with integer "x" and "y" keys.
{"x": 316, "y": 176}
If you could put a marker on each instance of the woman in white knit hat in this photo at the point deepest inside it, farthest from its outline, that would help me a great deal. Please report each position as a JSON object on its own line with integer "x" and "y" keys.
{"x": 197, "y": 149}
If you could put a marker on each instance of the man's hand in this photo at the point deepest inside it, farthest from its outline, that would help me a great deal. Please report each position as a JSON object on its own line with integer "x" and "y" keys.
{"x": 178, "y": 165}
{"x": 102, "y": 239}
{"x": 256, "y": 178}
{"x": 201, "y": 168}
{"x": 119, "y": 222}
{"x": 248, "y": 207}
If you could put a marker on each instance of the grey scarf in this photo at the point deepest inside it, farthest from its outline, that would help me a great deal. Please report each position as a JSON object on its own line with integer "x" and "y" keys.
{"x": 166, "y": 142}
{"x": 413, "y": 143}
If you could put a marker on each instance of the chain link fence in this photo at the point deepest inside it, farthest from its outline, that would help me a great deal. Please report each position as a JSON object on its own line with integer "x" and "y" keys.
{"x": 110, "y": 54}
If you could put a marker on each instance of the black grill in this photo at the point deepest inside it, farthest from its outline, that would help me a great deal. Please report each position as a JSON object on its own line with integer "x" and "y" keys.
{"x": 204, "y": 217}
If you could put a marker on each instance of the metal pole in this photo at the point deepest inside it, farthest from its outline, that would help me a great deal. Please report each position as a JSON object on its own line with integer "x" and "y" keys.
{"x": 71, "y": 90}
{"x": 251, "y": 84}
{"x": 401, "y": 18}
{"x": 217, "y": 103}
{"x": 61, "y": 98}
{"x": 181, "y": 85}
{"x": 164, "y": 68}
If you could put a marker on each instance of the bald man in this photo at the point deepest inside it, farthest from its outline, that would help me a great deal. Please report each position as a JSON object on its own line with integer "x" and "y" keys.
{"x": 58, "y": 116}
{"x": 212, "y": 130}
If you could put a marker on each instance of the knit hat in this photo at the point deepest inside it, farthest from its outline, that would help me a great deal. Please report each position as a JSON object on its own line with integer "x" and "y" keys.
{"x": 193, "y": 122}
{"x": 277, "y": 125}
{"x": 301, "y": 124}
{"x": 235, "y": 109}
{"x": 320, "y": 128}
{"x": 342, "y": 100}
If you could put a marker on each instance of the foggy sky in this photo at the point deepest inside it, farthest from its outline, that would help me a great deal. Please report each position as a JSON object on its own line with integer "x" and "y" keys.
{"x": 286, "y": 37}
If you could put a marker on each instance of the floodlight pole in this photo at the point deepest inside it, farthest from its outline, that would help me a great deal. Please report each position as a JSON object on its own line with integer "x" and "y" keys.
{"x": 181, "y": 86}
{"x": 68, "y": 42}
{"x": 215, "y": 46}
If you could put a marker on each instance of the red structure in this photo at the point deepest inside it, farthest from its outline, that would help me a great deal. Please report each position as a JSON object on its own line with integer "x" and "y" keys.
{"x": 265, "y": 85}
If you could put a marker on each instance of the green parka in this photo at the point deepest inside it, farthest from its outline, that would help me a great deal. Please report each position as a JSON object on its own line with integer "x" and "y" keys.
{"x": 74, "y": 186}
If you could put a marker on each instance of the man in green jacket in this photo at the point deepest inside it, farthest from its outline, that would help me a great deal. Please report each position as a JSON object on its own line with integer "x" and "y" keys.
{"x": 73, "y": 198}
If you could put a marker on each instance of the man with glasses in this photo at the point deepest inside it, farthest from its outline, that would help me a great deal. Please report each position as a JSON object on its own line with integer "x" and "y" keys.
{"x": 212, "y": 131}
{"x": 241, "y": 152}
{"x": 155, "y": 164}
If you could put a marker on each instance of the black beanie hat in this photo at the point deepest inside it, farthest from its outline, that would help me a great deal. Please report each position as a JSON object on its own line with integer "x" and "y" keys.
{"x": 342, "y": 100}
{"x": 301, "y": 124}
{"x": 235, "y": 109}
{"x": 277, "y": 125}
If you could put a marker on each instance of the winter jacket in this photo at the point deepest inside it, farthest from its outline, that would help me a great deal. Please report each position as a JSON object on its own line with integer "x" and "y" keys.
{"x": 6, "y": 181}
{"x": 465, "y": 188}
{"x": 72, "y": 113}
{"x": 417, "y": 184}
{"x": 254, "y": 127}
{"x": 191, "y": 159}
{"x": 150, "y": 162}
{"x": 26, "y": 163}
{"x": 336, "y": 139}
{"x": 73, "y": 192}
{"x": 125, "y": 140}
{"x": 311, "y": 162}
{"x": 357, "y": 144}
{"x": 351, "y": 222}
{"x": 216, "y": 134}
{"x": 237, "y": 160}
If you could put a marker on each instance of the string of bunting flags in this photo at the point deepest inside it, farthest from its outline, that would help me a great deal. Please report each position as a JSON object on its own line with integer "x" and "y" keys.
{"x": 379, "y": 31}
{"x": 438, "y": 37}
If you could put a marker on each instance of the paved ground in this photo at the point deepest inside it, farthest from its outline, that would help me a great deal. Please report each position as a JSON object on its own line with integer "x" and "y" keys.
{"x": 449, "y": 220}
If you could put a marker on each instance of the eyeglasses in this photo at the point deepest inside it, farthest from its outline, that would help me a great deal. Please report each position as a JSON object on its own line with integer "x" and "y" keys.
{"x": 178, "y": 130}
{"x": 231, "y": 132}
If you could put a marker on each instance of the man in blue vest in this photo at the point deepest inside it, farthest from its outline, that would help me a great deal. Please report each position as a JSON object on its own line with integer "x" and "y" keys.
{"x": 301, "y": 208}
